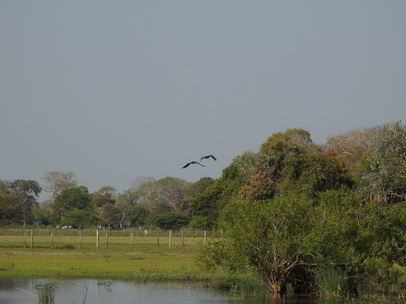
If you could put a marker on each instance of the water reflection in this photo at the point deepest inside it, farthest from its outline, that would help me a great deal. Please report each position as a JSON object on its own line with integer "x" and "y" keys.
{"x": 17, "y": 291}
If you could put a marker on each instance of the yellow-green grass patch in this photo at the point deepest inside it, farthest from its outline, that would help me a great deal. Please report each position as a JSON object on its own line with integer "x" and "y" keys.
{"x": 118, "y": 256}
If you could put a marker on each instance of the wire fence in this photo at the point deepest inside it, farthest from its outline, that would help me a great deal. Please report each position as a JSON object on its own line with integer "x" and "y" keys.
{"x": 187, "y": 232}
{"x": 103, "y": 238}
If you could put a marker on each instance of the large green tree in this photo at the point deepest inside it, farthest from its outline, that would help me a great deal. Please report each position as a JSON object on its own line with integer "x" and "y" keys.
{"x": 365, "y": 239}
{"x": 172, "y": 220}
{"x": 289, "y": 239}
{"x": 72, "y": 199}
{"x": 105, "y": 195}
{"x": 10, "y": 214}
{"x": 197, "y": 188}
{"x": 281, "y": 141}
{"x": 138, "y": 216}
{"x": 287, "y": 164}
{"x": 206, "y": 207}
{"x": 269, "y": 237}
{"x": 108, "y": 216}
{"x": 104, "y": 201}
{"x": 78, "y": 218}
{"x": 26, "y": 193}
{"x": 297, "y": 166}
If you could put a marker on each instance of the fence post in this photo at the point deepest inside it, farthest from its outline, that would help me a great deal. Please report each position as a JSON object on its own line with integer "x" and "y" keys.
{"x": 205, "y": 237}
{"x": 32, "y": 239}
{"x": 157, "y": 234}
{"x": 132, "y": 239}
{"x": 97, "y": 239}
{"x": 80, "y": 239}
{"x": 52, "y": 240}
{"x": 183, "y": 239}
{"x": 170, "y": 238}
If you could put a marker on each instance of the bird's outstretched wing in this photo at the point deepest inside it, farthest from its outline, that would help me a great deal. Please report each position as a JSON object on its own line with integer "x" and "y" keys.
{"x": 192, "y": 163}
{"x": 208, "y": 156}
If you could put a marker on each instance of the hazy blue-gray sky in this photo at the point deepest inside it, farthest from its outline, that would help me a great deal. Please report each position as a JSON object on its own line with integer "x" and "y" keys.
{"x": 113, "y": 90}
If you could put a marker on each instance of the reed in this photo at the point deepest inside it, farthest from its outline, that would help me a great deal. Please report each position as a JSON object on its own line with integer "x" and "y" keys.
{"x": 244, "y": 285}
{"x": 46, "y": 292}
{"x": 332, "y": 281}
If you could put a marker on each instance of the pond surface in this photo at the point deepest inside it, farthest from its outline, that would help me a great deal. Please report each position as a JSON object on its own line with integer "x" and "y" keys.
{"x": 19, "y": 291}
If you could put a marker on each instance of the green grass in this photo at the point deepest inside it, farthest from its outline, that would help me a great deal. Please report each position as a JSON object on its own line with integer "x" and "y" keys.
{"x": 114, "y": 264}
{"x": 331, "y": 281}
{"x": 115, "y": 260}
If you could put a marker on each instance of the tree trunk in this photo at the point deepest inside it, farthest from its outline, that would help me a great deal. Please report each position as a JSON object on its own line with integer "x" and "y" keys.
{"x": 276, "y": 283}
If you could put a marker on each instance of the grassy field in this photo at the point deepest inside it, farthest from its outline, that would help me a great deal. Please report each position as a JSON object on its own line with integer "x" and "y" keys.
{"x": 120, "y": 255}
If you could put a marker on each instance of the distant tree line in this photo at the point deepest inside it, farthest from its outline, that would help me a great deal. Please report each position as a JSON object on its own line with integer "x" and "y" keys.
{"x": 160, "y": 203}
{"x": 290, "y": 212}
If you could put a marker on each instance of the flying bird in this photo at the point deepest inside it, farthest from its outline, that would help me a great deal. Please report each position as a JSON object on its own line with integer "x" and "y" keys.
{"x": 192, "y": 163}
{"x": 208, "y": 156}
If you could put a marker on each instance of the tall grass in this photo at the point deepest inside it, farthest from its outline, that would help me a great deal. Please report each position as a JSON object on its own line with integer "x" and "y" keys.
{"x": 244, "y": 285}
{"x": 332, "y": 281}
{"x": 46, "y": 292}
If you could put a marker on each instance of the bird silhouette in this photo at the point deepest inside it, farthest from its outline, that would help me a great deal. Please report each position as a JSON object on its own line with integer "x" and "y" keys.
{"x": 208, "y": 156}
{"x": 192, "y": 163}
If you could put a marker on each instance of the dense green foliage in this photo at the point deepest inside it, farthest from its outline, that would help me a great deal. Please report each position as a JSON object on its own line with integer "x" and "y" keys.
{"x": 172, "y": 220}
{"x": 24, "y": 194}
{"x": 294, "y": 212}
{"x": 267, "y": 236}
{"x": 9, "y": 211}
{"x": 302, "y": 214}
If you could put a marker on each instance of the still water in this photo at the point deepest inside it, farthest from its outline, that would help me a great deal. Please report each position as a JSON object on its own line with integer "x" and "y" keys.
{"x": 19, "y": 291}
